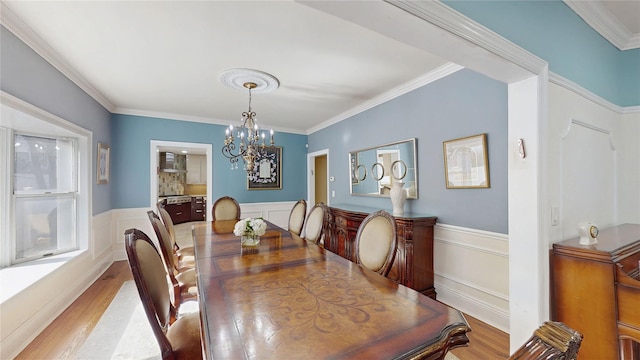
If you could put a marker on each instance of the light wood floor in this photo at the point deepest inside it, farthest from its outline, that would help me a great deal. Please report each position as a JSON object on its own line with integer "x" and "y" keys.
{"x": 66, "y": 334}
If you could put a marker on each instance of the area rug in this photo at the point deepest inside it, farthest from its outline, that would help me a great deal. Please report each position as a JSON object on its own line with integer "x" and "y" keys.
{"x": 123, "y": 332}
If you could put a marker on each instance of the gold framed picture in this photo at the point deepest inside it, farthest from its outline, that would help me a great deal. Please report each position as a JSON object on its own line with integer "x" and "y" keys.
{"x": 466, "y": 162}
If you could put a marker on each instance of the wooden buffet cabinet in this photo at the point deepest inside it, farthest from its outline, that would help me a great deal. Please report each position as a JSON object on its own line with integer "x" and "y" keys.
{"x": 413, "y": 264}
{"x": 595, "y": 290}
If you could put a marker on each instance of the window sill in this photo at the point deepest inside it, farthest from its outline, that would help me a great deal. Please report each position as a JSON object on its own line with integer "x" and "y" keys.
{"x": 17, "y": 278}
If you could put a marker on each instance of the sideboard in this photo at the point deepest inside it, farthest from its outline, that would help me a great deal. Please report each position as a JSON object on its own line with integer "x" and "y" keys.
{"x": 595, "y": 289}
{"x": 413, "y": 264}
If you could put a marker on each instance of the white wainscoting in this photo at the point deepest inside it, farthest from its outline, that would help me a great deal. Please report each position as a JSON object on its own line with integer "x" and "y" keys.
{"x": 123, "y": 219}
{"x": 46, "y": 290}
{"x": 471, "y": 269}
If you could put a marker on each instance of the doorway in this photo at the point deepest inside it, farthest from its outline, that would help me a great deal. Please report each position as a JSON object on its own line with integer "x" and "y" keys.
{"x": 156, "y": 146}
{"x": 318, "y": 177}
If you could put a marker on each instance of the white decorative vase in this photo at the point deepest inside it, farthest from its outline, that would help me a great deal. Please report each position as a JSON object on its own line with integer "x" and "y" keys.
{"x": 398, "y": 196}
{"x": 248, "y": 240}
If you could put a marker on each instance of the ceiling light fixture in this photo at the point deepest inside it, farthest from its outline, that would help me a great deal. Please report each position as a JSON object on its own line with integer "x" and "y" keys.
{"x": 252, "y": 141}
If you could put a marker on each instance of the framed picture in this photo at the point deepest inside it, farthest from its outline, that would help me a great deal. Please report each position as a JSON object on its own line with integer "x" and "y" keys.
{"x": 102, "y": 167}
{"x": 353, "y": 163}
{"x": 267, "y": 172}
{"x": 466, "y": 163}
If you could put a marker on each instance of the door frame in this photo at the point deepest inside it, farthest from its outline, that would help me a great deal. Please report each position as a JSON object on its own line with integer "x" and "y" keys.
{"x": 311, "y": 183}
{"x": 155, "y": 145}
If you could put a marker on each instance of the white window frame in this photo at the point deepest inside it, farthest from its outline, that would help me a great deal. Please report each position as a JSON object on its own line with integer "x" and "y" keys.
{"x": 71, "y": 194}
{"x": 19, "y": 116}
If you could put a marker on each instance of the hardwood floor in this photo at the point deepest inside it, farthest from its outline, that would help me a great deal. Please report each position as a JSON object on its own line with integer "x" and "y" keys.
{"x": 64, "y": 337}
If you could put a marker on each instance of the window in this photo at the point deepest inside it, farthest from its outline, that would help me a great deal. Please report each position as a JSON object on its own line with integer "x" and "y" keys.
{"x": 44, "y": 196}
{"x": 45, "y": 186}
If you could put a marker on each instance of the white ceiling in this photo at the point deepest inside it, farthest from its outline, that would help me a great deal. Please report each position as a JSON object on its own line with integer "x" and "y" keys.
{"x": 164, "y": 58}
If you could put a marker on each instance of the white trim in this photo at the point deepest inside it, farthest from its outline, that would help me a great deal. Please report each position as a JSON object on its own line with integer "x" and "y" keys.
{"x": 9, "y": 20}
{"x": 601, "y": 20}
{"x": 491, "y": 314}
{"x": 446, "y": 18}
{"x": 198, "y": 119}
{"x": 460, "y": 289}
{"x": 571, "y": 86}
{"x": 311, "y": 186}
{"x": 436, "y": 74}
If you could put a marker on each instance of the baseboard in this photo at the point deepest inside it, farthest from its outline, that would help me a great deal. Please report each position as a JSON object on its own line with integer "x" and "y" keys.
{"x": 472, "y": 273}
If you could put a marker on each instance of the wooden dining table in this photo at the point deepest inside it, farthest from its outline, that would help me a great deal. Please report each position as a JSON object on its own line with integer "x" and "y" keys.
{"x": 288, "y": 298}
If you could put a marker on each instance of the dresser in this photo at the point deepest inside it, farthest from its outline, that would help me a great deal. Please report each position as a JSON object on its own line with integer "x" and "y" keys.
{"x": 413, "y": 264}
{"x": 595, "y": 289}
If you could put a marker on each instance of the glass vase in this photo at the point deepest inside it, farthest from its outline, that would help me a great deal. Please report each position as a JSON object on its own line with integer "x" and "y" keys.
{"x": 250, "y": 240}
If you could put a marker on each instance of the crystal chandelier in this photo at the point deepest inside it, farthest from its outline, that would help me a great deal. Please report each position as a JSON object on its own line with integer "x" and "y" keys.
{"x": 251, "y": 141}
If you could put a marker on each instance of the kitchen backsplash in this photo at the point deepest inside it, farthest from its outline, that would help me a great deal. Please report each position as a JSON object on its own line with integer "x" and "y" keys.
{"x": 171, "y": 183}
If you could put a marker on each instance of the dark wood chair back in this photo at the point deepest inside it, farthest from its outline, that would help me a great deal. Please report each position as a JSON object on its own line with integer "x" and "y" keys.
{"x": 151, "y": 280}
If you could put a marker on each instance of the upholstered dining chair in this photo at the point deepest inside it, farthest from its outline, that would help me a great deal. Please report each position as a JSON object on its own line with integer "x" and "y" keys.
{"x": 376, "y": 242}
{"x": 297, "y": 216}
{"x": 226, "y": 208}
{"x": 183, "y": 279}
{"x": 178, "y": 338}
{"x": 552, "y": 340}
{"x": 185, "y": 254}
{"x": 314, "y": 223}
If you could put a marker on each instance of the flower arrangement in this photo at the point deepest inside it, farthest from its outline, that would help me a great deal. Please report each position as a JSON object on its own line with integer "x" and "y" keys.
{"x": 250, "y": 227}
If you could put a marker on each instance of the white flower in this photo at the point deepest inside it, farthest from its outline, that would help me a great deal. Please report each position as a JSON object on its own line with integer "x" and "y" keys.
{"x": 250, "y": 226}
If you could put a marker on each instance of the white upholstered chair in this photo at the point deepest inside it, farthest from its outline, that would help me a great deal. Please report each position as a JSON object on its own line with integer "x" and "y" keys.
{"x": 179, "y": 338}
{"x": 297, "y": 216}
{"x": 183, "y": 279}
{"x": 185, "y": 254}
{"x": 376, "y": 242}
{"x": 315, "y": 223}
{"x": 225, "y": 208}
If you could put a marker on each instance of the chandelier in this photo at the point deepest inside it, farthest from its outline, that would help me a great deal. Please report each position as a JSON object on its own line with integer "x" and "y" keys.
{"x": 247, "y": 141}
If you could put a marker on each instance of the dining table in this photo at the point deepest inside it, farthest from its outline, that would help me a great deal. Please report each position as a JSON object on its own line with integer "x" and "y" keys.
{"x": 288, "y": 298}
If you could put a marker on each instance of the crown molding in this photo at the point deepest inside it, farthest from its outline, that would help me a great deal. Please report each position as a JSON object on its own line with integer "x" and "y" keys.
{"x": 198, "y": 119}
{"x": 571, "y": 86}
{"x": 601, "y": 20}
{"x": 438, "y": 73}
{"x": 441, "y": 15}
{"x": 10, "y": 21}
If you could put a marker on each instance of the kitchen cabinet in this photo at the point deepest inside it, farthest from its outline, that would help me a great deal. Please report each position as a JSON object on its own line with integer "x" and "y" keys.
{"x": 180, "y": 212}
{"x": 196, "y": 169}
{"x": 198, "y": 208}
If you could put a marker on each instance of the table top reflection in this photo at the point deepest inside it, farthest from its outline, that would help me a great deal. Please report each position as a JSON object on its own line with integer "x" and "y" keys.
{"x": 287, "y": 298}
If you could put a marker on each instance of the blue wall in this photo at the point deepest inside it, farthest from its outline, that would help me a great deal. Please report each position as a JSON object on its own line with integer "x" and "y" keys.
{"x": 462, "y": 104}
{"x": 130, "y": 160}
{"x": 553, "y": 32}
{"x": 27, "y": 76}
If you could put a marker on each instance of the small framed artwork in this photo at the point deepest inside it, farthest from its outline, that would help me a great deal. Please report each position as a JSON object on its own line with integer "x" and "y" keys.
{"x": 102, "y": 175}
{"x": 267, "y": 172}
{"x": 466, "y": 162}
{"x": 353, "y": 163}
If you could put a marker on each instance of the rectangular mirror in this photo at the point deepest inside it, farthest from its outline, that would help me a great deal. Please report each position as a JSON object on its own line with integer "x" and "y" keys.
{"x": 373, "y": 169}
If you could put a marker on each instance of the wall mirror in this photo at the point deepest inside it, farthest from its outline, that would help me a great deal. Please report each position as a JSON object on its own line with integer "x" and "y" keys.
{"x": 374, "y": 169}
